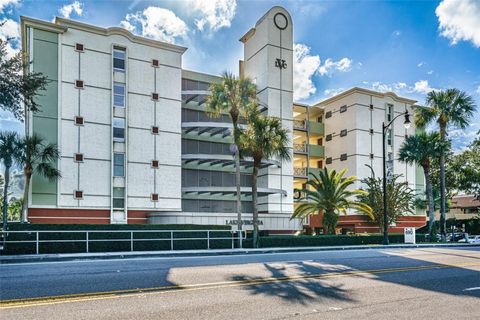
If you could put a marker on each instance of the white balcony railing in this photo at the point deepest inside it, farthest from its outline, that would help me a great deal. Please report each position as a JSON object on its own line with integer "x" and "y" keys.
{"x": 300, "y": 147}
{"x": 300, "y": 172}
{"x": 300, "y": 124}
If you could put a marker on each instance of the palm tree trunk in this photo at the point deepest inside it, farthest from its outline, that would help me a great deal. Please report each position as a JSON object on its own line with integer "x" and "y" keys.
{"x": 24, "y": 213}
{"x": 237, "y": 180}
{"x": 5, "y": 203}
{"x": 256, "y": 166}
{"x": 431, "y": 210}
{"x": 443, "y": 225}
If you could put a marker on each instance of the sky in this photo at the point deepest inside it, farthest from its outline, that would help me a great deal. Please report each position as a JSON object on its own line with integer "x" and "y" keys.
{"x": 407, "y": 47}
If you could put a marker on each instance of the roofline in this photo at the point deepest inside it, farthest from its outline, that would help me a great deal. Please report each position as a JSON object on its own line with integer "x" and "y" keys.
{"x": 369, "y": 92}
{"x": 61, "y": 25}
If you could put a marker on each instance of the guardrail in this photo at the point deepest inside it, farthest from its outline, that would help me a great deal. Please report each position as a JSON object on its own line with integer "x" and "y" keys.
{"x": 88, "y": 239}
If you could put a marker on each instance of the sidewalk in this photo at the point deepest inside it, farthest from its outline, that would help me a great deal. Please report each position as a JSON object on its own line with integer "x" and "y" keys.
{"x": 190, "y": 253}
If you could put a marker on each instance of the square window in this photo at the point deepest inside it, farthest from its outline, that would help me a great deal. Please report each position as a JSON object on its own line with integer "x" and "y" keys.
{"x": 119, "y": 95}
{"x": 119, "y": 59}
{"x": 155, "y": 63}
{"x": 79, "y": 47}
{"x": 328, "y": 114}
{"x": 154, "y": 130}
{"x": 119, "y": 129}
{"x": 154, "y": 196}
{"x": 371, "y": 106}
{"x": 343, "y": 157}
{"x": 79, "y": 84}
{"x": 343, "y": 109}
{"x": 77, "y": 194}
{"x": 343, "y": 133}
{"x": 155, "y": 164}
{"x": 79, "y": 120}
{"x": 78, "y": 157}
{"x": 155, "y": 96}
{"x": 118, "y": 164}
{"x": 118, "y": 198}
{"x": 328, "y": 137}
{"x": 371, "y": 156}
{"x": 371, "y": 131}
{"x": 328, "y": 160}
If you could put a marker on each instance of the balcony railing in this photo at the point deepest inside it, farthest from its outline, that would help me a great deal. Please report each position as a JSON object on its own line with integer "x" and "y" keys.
{"x": 300, "y": 147}
{"x": 300, "y": 172}
{"x": 300, "y": 124}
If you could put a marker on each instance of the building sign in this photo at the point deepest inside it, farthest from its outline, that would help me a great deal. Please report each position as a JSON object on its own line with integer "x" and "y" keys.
{"x": 244, "y": 222}
{"x": 280, "y": 63}
{"x": 409, "y": 235}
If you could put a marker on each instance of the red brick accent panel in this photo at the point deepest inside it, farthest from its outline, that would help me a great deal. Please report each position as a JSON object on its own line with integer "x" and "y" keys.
{"x": 137, "y": 217}
{"x": 81, "y": 216}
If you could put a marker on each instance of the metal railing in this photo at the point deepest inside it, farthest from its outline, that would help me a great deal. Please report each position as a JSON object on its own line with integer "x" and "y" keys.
{"x": 300, "y": 124}
{"x": 300, "y": 147}
{"x": 302, "y": 172}
{"x": 88, "y": 239}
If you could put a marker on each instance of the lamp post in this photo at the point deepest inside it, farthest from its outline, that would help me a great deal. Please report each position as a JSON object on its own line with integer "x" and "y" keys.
{"x": 406, "y": 123}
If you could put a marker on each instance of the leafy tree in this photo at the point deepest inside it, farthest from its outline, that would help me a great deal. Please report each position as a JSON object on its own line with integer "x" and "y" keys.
{"x": 463, "y": 170}
{"x": 264, "y": 138}
{"x": 37, "y": 157}
{"x": 329, "y": 194}
{"x": 232, "y": 95}
{"x": 399, "y": 199}
{"x": 18, "y": 89}
{"x": 445, "y": 107}
{"x": 420, "y": 149}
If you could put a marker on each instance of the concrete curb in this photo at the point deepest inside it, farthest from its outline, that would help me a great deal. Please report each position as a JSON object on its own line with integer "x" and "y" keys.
{"x": 10, "y": 259}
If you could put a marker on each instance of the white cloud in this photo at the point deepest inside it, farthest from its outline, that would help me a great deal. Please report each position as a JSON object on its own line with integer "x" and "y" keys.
{"x": 423, "y": 87}
{"x": 6, "y": 3}
{"x": 157, "y": 23}
{"x": 333, "y": 92}
{"x": 396, "y": 87}
{"x": 420, "y": 64}
{"x": 10, "y": 30}
{"x": 430, "y": 72}
{"x": 343, "y": 65}
{"x": 304, "y": 67}
{"x": 75, "y": 7}
{"x": 397, "y": 33}
{"x": 459, "y": 20}
{"x": 215, "y": 14}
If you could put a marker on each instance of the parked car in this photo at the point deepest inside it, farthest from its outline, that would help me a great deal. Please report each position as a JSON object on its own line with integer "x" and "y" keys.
{"x": 471, "y": 239}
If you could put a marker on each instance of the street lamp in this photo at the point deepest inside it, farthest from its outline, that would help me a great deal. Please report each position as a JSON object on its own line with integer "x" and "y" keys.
{"x": 406, "y": 123}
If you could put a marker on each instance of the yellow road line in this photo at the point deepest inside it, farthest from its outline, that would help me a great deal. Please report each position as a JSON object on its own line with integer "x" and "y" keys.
{"x": 114, "y": 294}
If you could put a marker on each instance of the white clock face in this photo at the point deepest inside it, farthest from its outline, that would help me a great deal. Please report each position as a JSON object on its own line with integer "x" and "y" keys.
{"x": 280, "y": 20}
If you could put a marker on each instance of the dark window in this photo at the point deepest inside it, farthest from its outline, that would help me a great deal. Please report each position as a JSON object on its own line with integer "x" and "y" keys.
{"x": 371, "y": 156}
{"x": 155, "y": 96}
{"x": 119, "y": 129}
{"x": 343, "y": 109}
{"x": 119, "y": 60}
{"x": 77, "y": 194}
{"x": 79, "y": 84}
{"x": 320, "y": 164}
{"x": 155, "y": 63}
{"x": 118, "y": 198}
{"x": 155, "y": 130}
{"x": 119, "y": 95}
{"x": 343, "y": 133}
{"x": 320, "y": 142}
{"x": 343, "y": 157}
{"x": 79, "y": 47}
{"x": 78, "y": 157}
{"x": 371, "y": 131}
{"x": 154, "y": 196}
{"x": 155, "y": 164}
{"x": 319, "y": 119}
{"x": 328, "y": 137}
{"x": 406, "y": 136}
{"x": 328, "y": 114}
{"x": 118, "y": 164}
{"x": 371, "y": 107}
{"x": 79, "y": 121}
{"x": 328, "y": 160}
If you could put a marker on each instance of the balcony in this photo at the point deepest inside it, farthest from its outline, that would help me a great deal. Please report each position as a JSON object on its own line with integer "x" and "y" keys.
{"x": 300, "y": 147}
{"x": 316, "y": 128}
{"x": 316, "y": 150}
{"x": 299, "y": 124}
{"x": 300, "y": 172}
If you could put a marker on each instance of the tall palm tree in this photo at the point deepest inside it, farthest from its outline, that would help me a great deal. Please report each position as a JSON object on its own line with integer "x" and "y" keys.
{"x": 329, "y": 194}
{"x": 421, "y": 149}
{"x": 264, "y": 138}
{"x": 445, "y": 107}
{"x": 231, "y": 96}
{"x": 37, "y": 157}
{"x": 10, "y": 148}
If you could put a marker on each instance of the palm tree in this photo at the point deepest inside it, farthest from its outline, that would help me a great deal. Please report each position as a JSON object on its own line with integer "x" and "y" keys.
{"x": 37, "y": 157}
{"x": 445, "y": 107}
{"x": 264, "y": 138}
{"x": 329, "y": 195}
{"x": 232, "y": 95}
{"x": 10, "y": 148}
{"x": 421, "y": 149}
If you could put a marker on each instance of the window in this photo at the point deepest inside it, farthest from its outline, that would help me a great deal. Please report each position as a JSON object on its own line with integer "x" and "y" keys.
{"x": 119, "y": 95}
{"x": 79, "y": 47}
{"x": 371, "y": 156}
{"x": 77, "y": 194}
{"x": 79, "y": 121}
{"x": 371, "y": 107}
{"x": 155, "y": 164}
{"x": 343, "y": 109}
{"x": 343, "y": 133}
{"x": 320, "y": 164}
{"x": 371, "y": 131}
{"x": 320, "y": 142}
{"x": 154, "y": 196}
{"x": 319, "y": 119}
{"x": 328, "y": 114}
{"x": 118, "y": 129}
{"x": 155, "y": 63}
{"x": 118, "y": 198}
{"x": 343, "y": 157}
{"x": 406, "y": 136}
{"x": 328, "y": 137}
{"x": 78, "y": 157}
{"x": 328, "y": 160}
{"x": 79, "y": 84}
{"x": 119, "y": 60}
{"x": 155, "y": 96}
{"x": 154, "y": 130}
{"x": 389, "y": 137}
{"x": 389, "y": 112}
{"x": 119, "y": 164}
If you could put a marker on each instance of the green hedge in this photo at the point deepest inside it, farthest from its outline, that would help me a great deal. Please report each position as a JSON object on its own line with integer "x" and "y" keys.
{"x": 327, "y": 240}
{"x": 114, "y": 241}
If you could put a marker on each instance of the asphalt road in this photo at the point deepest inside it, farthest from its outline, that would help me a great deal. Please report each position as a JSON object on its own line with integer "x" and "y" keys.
{"x": 360, "y": 284}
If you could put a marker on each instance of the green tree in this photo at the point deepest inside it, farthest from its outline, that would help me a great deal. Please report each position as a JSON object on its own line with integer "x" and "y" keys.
{"x": 18, "y": 89}
{"x": 264, "y": 138}
{"x": 446, "y": 107}
{"x": 231, "y": 96}
{"x": 15, "y": 209}
{"x": 420, "y": 149}
{"x": 329, "y": 194}
{"x": 37, "y": 156}
{"x": 10, "y": 149}
{"x": 463, "y": 170}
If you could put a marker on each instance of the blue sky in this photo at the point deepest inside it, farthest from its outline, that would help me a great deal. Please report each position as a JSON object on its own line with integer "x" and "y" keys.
{"x": 409, "y": 47}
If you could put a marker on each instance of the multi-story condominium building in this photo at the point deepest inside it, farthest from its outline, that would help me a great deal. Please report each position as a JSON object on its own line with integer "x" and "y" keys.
{"x": 137, "y": 147}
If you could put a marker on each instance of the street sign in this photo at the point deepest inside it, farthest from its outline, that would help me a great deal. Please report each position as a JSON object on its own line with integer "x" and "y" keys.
{"x": 409, "y": 235}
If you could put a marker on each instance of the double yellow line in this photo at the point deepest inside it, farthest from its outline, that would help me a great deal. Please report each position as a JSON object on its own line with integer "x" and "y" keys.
{"x": 114, "y": 294}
